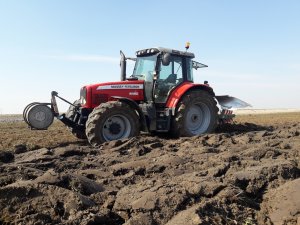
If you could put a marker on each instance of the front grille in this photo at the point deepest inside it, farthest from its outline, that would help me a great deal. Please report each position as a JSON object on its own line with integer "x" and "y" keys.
{"x": 100, "y": 98}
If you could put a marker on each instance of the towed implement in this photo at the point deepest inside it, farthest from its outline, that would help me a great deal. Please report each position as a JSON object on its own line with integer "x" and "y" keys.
{"x": 160, "y": 96}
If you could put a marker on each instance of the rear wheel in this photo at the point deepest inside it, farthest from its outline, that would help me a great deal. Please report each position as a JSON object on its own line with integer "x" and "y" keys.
{"x": 196, "y": 114}
{"x": 111, "y": 121}
{"x": 70, "y": 114}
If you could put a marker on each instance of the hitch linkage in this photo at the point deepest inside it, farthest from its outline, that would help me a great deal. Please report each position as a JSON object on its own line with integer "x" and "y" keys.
{"x": 62, "y": 117}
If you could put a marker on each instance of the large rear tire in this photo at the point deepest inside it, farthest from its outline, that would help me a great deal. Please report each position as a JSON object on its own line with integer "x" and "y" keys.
{"x": 197, "y": 113}
{"x": 111, "y": 121}
{"x": 70, "y": 114}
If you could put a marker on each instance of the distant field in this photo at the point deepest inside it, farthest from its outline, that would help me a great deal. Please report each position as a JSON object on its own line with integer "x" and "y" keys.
{"x": 271, "y": 119}
{"x": 265, "y": 111}
{"x": 10, "y": 118}
{"x": 14, "y": 131}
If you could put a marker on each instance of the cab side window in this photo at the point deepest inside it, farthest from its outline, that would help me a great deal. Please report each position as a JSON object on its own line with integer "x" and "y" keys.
{"x": 169, "y": 77}
{"x": 172, "y": 73}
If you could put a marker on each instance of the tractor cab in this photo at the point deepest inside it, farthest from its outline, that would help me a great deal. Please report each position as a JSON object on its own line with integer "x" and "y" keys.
{"x": 162, "y": 70}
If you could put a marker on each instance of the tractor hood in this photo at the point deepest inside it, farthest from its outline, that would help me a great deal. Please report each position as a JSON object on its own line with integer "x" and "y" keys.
{"x": 120, "y": 85}
{"x": 103, "y": 92}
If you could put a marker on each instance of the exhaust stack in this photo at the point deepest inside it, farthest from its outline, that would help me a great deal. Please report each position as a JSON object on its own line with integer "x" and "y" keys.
{"x": 123, "y": 66}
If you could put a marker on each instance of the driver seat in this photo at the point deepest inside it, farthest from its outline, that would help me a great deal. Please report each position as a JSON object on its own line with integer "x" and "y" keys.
{"x": 171, "y": 78}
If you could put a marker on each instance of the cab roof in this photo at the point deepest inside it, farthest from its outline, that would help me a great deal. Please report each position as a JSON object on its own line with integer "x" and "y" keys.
{"x": 149, "y": 51}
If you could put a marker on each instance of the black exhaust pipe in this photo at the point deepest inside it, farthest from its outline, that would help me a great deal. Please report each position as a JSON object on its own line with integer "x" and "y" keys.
{"x": 123, "y": 66}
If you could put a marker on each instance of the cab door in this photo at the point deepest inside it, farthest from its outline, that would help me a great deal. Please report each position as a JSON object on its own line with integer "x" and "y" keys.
{"x": 169, "y": 77}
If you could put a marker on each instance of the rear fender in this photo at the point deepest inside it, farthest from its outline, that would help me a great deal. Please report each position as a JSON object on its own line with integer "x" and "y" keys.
{"x": 181, "y": 90}
{"x": 136, "y": 107}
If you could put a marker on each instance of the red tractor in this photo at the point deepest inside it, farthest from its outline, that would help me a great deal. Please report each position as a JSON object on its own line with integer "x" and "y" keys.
{"x": 160, "y": 96}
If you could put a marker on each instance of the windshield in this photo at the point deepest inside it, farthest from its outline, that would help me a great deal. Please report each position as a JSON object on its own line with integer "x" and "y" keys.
{"x": 144, "y": 67}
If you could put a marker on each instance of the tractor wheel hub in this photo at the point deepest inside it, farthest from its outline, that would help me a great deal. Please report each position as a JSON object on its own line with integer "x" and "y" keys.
{"x": 114, "y": 128}
{"x": 194, "y": 117}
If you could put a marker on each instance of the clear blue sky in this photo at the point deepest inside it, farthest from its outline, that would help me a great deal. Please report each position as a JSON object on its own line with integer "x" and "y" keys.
{"x": 252, "y": 48}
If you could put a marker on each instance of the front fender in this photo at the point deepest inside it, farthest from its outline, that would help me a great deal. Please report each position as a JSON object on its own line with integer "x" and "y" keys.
{"x": 136, "y": 107}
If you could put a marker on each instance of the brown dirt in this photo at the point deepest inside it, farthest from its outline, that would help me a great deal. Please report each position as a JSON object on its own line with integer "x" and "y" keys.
{"x": 248, "y": 175}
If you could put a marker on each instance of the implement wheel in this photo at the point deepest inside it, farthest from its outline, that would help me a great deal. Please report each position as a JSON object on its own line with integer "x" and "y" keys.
{"x": 197, "y": 113}
{"x": 111, "y": 121}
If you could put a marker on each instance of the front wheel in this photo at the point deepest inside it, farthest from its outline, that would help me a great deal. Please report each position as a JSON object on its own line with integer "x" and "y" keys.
{"x": 111, "y": 121}
{"x": 196, "y": 114}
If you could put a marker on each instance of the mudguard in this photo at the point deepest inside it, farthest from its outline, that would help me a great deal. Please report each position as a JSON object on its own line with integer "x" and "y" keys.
{"x": 136, "y": 107}
{"x": 182, "y": 89}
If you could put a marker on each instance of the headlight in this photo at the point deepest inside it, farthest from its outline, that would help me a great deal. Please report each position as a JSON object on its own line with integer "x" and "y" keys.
{"x": 83, "y": 96}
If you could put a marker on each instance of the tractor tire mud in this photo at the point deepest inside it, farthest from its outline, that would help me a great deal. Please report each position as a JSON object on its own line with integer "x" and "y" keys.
{"x": 125, "y": 119}
{"x": 243, "y": 174}
{"x": 205, "y": 121}
{"x": 71, "y": 114}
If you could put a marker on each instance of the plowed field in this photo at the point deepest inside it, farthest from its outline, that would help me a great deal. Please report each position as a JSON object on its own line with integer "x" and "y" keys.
{"x": 245, "y": 173}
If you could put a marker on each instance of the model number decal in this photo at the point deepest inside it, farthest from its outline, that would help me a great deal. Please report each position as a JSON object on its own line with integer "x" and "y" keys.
{"x": 121, "y": 86}
{"x": 134, "y": 93}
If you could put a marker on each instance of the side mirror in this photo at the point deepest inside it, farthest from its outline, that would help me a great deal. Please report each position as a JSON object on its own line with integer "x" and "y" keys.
{"x": 166, "y": 59}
